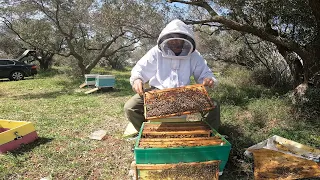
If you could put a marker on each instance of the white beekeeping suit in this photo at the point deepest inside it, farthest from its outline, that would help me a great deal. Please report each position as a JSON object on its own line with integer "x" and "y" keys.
{"x": 164, "y": 68}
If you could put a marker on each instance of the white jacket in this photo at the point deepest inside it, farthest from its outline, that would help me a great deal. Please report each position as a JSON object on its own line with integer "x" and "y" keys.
{"x": 163, "y": 69}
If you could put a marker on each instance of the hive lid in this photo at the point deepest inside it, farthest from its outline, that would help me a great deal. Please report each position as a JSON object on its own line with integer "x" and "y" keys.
{"x": 176, "y": 101}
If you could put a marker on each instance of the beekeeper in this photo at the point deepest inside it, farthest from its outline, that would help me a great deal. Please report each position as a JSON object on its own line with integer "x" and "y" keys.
{"x": 170, "y": 64}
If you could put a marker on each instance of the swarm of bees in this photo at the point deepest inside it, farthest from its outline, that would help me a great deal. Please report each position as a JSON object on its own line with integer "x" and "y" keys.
{"x": 176, "y": 101}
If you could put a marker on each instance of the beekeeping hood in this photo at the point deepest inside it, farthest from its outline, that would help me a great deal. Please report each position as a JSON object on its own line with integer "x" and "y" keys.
{"x": 176, "y": 29}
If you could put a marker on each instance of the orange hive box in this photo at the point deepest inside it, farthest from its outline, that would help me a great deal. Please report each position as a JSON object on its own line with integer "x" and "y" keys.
{"x": 269, "y": 164}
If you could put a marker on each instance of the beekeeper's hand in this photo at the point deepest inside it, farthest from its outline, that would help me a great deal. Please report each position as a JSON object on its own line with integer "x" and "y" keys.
{"x": 208, "y": 82}
{"x": 138, "y": 86}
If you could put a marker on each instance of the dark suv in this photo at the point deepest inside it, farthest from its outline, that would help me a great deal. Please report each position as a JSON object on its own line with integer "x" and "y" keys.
{"x": 16, "y": 70}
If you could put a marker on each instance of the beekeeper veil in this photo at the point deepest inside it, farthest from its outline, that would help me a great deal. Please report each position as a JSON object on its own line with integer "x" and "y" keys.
{"x": 176, "y": 40}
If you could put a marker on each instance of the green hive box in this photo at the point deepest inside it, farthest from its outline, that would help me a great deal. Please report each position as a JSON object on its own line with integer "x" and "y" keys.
{"x": 183, "y": 154}
{"x": 105, "y": 81}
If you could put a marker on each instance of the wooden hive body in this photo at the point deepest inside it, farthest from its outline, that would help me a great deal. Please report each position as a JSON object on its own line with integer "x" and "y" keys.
{"x": 180, "y": 142}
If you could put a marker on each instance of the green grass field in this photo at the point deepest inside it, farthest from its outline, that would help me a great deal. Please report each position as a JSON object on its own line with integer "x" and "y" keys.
{"x": 65, "y": 116}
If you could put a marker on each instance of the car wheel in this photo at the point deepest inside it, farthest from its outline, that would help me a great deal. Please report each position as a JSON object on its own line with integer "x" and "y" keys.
{"x": 16, "y": 76}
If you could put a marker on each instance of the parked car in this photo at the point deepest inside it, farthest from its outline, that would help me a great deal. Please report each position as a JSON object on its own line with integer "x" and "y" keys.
{"x": 16, "y": 70}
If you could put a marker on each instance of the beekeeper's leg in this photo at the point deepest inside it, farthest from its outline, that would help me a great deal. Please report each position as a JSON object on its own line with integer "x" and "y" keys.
{"x": 134, "y": 111}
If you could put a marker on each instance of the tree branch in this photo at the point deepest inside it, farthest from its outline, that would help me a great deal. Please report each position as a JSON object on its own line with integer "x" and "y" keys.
{"x": 9, "y": 25}
{"x": 260, "y": 32}
{"x": 199, "y": 3}
{"x": 104, "y": 49}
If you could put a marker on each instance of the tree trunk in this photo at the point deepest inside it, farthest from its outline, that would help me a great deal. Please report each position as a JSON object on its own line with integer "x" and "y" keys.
{"x": 46, "y": 60}
{"x": 44, "y": 64}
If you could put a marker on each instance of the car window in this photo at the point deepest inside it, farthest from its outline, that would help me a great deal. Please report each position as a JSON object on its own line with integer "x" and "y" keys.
{"x": 10, "y": 62}
{"x": 6, "y": 62}
{"x": 3, "y": 62}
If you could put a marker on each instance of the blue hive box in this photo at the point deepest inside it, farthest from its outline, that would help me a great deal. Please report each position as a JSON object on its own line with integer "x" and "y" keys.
{"x": 105, "y": 81}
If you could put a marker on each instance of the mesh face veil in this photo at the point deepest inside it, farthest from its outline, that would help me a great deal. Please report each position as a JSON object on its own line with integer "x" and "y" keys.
{"x": 176, "y": 45}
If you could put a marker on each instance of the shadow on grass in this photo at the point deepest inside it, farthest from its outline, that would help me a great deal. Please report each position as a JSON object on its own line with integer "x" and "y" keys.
{"x": 238, "y": 165}
{"x": 29, "y": 147}
{"x": 8, "y": 80}
{"x": 48, "y": 73}
{"x": 45, "y": 95}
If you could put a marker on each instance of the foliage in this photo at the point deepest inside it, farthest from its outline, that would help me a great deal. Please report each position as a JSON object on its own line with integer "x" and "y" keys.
{"x": 292, "y": 26}
{"x": 310, "y": 106}
{"x": 87, "y": 30}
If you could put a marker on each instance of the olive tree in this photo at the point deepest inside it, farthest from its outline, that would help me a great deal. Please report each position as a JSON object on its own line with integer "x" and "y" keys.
{"x": 88, "y": 31}
{"x": 292, "y": 26}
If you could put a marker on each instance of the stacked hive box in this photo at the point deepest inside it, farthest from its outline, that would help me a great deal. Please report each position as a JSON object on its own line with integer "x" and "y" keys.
{"x": 181, "y": 142}
{"x": 171, "y": 144}
{"x": 15, "y": 133}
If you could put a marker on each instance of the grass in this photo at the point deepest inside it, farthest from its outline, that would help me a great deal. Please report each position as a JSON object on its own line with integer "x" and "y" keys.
{"x": 64, "y": 118}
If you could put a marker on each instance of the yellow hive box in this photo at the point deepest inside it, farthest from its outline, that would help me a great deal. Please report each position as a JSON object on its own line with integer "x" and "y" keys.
{"x": 15, "y": 133}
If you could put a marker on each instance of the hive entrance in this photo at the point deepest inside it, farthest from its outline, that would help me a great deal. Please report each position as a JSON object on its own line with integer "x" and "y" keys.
{"x": 177, "y": 134}
{"x": 176, "y": 101}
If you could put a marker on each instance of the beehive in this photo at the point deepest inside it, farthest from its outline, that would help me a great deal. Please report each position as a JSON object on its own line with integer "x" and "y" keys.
{"x": 180, "y": 142}
{"x": 90, "y": 79}
{"x": 15, "y": 133}
{"x": 105, "y": 81}
{"x": 176, "y": 101}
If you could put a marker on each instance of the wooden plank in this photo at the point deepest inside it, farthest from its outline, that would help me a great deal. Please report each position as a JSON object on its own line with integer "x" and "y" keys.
{"x": 178, "y": 139}
{"x": 92, "y": 90}
{"x": 176, "y": 114}
{"x": 83, "y": 85}
{"x": 133, "y": 167}
{"x": 190, "y": 128}
{"x": 180, "y": 124}
{"x": 167, "y": 166}
{"x": 178, "y": 144}
{"x": 269, "y": 164}
{"x": 183, "y": 142}
{"x": 196, "y": 132}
